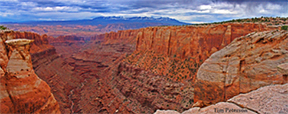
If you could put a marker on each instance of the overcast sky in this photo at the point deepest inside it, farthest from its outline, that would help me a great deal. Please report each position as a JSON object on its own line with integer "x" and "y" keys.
{"x": 190, "y": 11}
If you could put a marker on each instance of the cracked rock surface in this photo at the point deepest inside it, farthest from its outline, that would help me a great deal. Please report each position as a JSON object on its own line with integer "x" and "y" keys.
{"x": 271, "y": 99}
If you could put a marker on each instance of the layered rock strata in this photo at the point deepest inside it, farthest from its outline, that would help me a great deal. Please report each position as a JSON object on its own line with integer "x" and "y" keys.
{"x": 122, "y": 36}
{"x": 49, "y": 66}
{"x": 247, "y": 63}
{"x": 22, "y": 91}
{"x": 164, "y": 66}
{"x": 283, "y": 69}
{"x": 67, "y": 45}
{"x": 40, "y": 47}
{"x": 151, "y": 78}
{"x": 177, "y": 52}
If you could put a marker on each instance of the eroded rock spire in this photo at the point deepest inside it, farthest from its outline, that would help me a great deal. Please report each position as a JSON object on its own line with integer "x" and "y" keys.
{"x": 22, "y": 91}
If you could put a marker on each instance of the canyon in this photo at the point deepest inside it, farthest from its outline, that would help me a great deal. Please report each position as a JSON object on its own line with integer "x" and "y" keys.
{"x": 170, "y": 67}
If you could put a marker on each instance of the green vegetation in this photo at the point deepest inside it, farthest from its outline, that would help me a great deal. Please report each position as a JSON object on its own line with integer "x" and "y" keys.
{"x": 256, "y": 19}
{"x": 191, "y": 101}
{"x": 284, "y": 28}
{"x": 270, "y": 20}
{"x": 2, "y": 27}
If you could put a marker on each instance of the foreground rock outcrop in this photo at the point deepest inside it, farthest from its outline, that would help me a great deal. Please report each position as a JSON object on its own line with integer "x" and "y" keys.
{"x": 271, "y": 99}
{"x": 22, "y": 91}
{"x": 246, "y": 64}
{"x": 48, "y": 66}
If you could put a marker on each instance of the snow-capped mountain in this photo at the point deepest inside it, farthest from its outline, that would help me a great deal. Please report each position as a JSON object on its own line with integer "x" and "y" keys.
{"x": 112, "y": 20}
{"x": 136, "y": 18}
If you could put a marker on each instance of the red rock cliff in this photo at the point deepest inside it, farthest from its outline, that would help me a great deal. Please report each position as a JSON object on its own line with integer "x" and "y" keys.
{"x": 161, "y": 72}
{"x": 123, "y": 36}
{"x": 192, "y": 40}
{"x": 39, "y": 48}
{"x": 177, "y": 52}
{"x": 40, "y": 43}
{"x": 66, "y": 45}
{"x": 21, "y": 89}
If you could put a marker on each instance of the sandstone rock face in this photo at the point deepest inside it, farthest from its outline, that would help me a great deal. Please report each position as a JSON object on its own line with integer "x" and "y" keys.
{"x": 125, "y": 36}
{"x": 47, "y": 65}
{"x": 163, "y": 68}
{"x": 166, "y": 112}
{"x": 219, "y": 108}
{"x": 96, "y": 37}
{"x": 59, "y": 76}
{"x": 283, "y": 69}
{"x": 177, "y": 52}
{"x": 247, "y": 63}
{"x": 40, "y": 44}
{"x": 265, "y": 100}
{"x": 68, "y": 73}
{"x": 148, "y": 91}
{"x": 39, "y": 48}
{"x": 271, "y": 99}
{"x": 21, "y": 89}
{"x": 3, "y": 52}
{"x": 67, "y": 45}
{"x": 185, "y": 41}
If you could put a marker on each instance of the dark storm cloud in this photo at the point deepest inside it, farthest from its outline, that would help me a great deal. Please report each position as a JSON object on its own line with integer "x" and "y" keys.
{"x": 184, "y": 10}
{"x": 243, "y": 1}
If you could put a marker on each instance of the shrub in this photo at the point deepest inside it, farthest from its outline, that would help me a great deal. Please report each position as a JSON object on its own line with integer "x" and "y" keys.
{"x": 284, "y": 28}
{"x": 2, "y": 27}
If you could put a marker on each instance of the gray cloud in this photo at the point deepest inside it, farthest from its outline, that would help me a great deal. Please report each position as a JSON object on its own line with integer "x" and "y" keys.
{"x": 184, "y": 10}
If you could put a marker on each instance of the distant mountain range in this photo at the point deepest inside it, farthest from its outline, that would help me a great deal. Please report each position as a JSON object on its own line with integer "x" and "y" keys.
{"x": 107, "y": 20}
{"x": 90, "y": 27}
